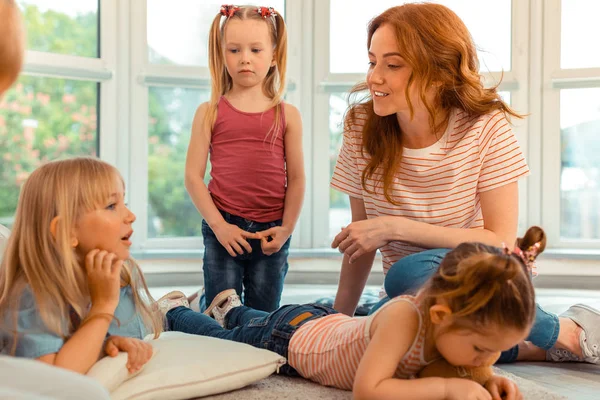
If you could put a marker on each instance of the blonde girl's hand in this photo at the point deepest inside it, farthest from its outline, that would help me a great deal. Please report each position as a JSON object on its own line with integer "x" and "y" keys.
{"x": 233, "y": 238}
{"x": 279, "y": 235}
{"x": 104, "y": 280}
{"x": 138, "y": 351}
{"x": 464, "y": 389}
{"x": 499, "y": 386}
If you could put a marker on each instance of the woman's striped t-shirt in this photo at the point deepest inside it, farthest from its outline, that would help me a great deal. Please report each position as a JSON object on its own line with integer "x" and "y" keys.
{"x": 440, "y": 184}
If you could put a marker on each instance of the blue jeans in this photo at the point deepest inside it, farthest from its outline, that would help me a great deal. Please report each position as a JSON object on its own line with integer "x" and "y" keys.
{"x": 256, "y": 277}
{"x": 411, "y": 272}
{"x": 271, "y": 331}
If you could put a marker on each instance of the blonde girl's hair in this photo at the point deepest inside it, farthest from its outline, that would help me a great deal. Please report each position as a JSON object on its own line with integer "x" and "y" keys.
{"x": 484, "y": 285}
{"x": 47, "y": 263}
{"x": 274, "y": 84}
{"x": 437, "y": 45}
{"x": 12, "y": 43}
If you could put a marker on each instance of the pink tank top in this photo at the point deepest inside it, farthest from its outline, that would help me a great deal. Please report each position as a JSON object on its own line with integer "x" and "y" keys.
{"x": 328, "y": 350}
{"x": 248, "y": 175}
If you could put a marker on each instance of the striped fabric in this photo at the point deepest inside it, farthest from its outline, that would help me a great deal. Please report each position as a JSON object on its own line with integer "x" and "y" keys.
{"x": 439, "y": 185}
{"x": 328, "y": 350}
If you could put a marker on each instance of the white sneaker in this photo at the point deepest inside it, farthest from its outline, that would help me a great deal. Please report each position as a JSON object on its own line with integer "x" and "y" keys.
{"x": 222, "y": 304}
{"x": 171, "y": 300}
{"x": 588, "y": 319}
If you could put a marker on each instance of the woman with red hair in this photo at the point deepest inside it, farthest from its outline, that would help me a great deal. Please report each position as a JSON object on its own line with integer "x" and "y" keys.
{"x": 430, "y": 161}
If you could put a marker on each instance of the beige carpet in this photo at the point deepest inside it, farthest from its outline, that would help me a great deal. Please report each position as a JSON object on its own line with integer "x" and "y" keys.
{"x": 283, "y": 387}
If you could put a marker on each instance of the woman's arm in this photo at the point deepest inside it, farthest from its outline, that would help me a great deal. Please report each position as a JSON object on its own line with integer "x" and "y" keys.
{"x": 500, "y": 217}
{"x": 353, "y": 277}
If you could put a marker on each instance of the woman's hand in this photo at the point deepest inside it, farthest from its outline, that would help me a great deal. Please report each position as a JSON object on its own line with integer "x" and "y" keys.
{"x": 364, "y": 236}
{"x": 233, "y": 238}
{"x": 104, "y": 280}
{"x": 279, "y": 236}
{"x": 503, "y": 388}
{"x": 138, "y": 351}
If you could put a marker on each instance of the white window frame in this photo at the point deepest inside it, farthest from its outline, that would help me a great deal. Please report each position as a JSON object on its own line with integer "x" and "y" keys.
{"x": 516, "y": 81}
{"x": 554, "y": 79}
{"x": 144, "y": 75}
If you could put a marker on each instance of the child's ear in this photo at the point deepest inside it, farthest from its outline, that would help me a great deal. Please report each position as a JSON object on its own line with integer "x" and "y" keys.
{"x": 54, "y": 229}
{"x": 439, "y": 313}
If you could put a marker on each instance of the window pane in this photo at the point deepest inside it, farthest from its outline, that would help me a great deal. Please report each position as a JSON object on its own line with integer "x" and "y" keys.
{"x": 43, "y": 119}
{"x": 580, "y": 162}
{"x": 170, "y": 21}
{"x": 171, "y": 212}
{"x": 348, "y": 31}
{"x": 339, "y": 203}
{"x": 62, "y": 26}
{"x": 579, "y": 24}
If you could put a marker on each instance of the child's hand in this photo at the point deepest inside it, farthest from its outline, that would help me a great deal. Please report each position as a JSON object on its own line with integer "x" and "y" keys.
{"x": 278, "y": 234}
{"x": 503, "y": 388}
{"x": 233, "y": 238}
{"x": 138, "y": 351}
{"x": 104, "y": 280}
{"x": 464, "y": 389}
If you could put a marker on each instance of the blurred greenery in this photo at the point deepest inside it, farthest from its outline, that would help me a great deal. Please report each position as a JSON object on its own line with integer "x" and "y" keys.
{"x": 170, "y": 209}
{"x": 55, "y": 32}
{"x": 44, "y": 119}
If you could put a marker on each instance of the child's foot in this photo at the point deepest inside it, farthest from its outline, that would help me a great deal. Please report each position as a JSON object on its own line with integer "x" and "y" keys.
{"x": 588, "y": 321}
{"x": 171, "y": 300}
{"x": 222, "y": 304}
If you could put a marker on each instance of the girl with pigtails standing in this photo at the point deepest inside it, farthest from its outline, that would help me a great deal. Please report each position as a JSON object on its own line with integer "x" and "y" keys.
{"x": 254, "y": 140}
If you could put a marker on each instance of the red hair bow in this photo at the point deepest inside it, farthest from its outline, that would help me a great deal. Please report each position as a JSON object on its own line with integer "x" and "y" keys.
{"x": 266, "y": 12}
{"x": 227, "y": 10}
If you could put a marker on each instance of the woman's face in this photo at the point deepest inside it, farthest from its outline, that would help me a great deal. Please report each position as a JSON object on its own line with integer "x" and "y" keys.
{"x": 388, "y": 75}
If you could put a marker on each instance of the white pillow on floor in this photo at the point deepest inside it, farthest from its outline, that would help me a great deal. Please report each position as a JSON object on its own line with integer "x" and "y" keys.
{"x": 187, "y": 366}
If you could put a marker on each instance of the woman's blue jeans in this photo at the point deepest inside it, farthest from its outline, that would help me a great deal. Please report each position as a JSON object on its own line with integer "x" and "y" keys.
{"x": 411, "y": 272}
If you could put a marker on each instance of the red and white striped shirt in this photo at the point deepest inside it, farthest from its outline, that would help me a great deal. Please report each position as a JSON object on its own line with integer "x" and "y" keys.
{"x": 328, "y": 350}
{"x": 440, "y": 184}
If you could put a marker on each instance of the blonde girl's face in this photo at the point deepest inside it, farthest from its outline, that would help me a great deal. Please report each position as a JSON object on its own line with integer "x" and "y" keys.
{"x": 248, "y": 51}
{"x": 108, "y": 227}
{"x": 468, "y": 348}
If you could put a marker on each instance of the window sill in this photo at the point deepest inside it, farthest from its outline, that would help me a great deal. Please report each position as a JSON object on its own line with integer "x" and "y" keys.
{"x": 322, "y": 266}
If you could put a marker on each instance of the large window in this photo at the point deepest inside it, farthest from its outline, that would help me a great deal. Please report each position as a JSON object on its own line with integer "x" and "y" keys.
{"x": 123, "y": 79}
{"x": 571, "y": 124}
{"x": 52, "y": 114}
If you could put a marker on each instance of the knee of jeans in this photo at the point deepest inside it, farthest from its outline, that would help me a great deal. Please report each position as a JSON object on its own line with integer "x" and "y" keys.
{"x": 400, "y": 278}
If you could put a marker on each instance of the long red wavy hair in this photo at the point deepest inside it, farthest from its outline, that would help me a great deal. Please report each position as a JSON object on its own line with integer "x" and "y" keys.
{"x": 435, "y": 42}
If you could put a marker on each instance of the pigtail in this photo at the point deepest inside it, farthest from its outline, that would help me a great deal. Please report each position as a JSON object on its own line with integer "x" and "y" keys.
{"x": 275, "y": 81}
{"x": 218, "y": 73}
{"x": 534, "y": 237}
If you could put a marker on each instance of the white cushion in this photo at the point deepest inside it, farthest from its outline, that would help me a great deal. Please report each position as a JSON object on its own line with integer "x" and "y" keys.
{"x": 187, "y": 366}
